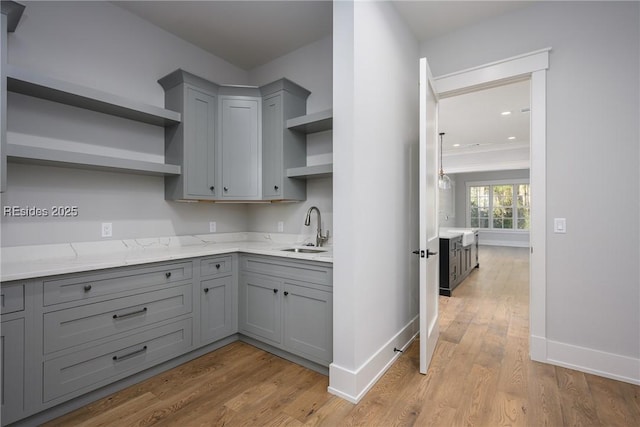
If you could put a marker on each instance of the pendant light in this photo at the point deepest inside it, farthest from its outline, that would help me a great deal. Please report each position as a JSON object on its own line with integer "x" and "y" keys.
{"x": 444, "y": 182}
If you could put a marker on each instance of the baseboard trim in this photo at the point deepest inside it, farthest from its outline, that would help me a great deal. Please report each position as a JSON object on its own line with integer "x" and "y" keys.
{"x": 353, "y": 385}
{"x": 596, "y": 362}
{"x": 484, "y": 242}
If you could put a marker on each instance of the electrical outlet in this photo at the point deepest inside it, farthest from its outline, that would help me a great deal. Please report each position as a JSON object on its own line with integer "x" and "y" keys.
{"x": 280, "y": 226}
{"x": 212, "y": 227}
{"x": 107, "y": 229}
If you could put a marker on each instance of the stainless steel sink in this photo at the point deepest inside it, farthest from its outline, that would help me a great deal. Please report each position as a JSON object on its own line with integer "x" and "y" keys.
{"x": 304, "y": 250}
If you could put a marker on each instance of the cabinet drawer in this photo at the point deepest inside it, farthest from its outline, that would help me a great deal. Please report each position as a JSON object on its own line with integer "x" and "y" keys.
{"x": 78, "y": 325}
{"x": 212, "y": 266}
{"x": 87, "y": 286}
{"x": 12, "y": 297}
{"x": 89, "y": 369}
{"x": 299, "y": 270}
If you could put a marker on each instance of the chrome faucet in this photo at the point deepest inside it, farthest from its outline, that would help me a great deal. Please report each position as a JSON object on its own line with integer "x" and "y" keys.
{"x": 320, "y": 239}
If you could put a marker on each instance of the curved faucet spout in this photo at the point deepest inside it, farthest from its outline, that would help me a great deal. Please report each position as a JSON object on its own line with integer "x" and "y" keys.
{"x": 320, "y": 239}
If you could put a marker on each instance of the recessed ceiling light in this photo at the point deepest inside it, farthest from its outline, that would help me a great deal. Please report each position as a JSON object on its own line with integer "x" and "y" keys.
{"x": 456, "y": 145}
{"x": 506, "y": 113}
{"x": 511, "y": 137}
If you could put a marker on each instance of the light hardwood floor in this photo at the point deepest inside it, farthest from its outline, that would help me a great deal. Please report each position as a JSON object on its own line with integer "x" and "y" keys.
{"x": 480, "y": 375}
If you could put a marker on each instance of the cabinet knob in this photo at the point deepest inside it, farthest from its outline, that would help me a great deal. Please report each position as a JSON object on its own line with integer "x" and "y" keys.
{"x": 275, "y": 187}
{"x": 275, "y": 291}
{"x": 226, "y": 188}
{"x": 217, "y": 266}
{"x": 212, "y": 188}
{"x": 206, "y": 290}
{"x": 87, "y": 288}
{"x": 168, "y": 274}
{"x": 286, "y": 293}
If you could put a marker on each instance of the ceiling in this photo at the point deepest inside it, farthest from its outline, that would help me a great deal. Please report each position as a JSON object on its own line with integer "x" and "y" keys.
{"x": 244, "y": 33}
{"x": 474, "y": 122}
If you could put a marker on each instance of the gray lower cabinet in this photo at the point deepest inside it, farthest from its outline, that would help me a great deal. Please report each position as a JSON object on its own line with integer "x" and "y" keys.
{"x": 282, "y": 148}
{"x": 217, "y": 302}
{"x": 281, "y": 304}
{"x": 12, "y": 353}
{"x": 240, "y": 148}
{"x": 65, "y": 336}
{"x": 191, "y": 143}
{"x": 259, "y": 307}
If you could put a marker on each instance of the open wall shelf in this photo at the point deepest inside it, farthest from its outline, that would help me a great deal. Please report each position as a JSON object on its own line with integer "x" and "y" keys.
{"x": 44, "y": 87}
{"x": 308, "y": 172}
{"x": 312, "y": 123}
{"x": 50, "y": 157}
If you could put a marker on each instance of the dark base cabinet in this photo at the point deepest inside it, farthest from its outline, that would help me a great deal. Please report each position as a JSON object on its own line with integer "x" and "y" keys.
{"x": 456, "y": 262}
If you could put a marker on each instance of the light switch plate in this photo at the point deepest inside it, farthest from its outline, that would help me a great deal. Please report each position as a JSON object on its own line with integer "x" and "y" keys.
{"x": 559, "y": 225}
{"x": 212, "y": 227}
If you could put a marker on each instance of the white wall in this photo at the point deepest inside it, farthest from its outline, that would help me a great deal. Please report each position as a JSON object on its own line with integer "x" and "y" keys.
{"x": 310, "y": 67}
{"x": 375, "y": 132}
{"x": 593, "y": 105}
{"x": 497, "y": 237}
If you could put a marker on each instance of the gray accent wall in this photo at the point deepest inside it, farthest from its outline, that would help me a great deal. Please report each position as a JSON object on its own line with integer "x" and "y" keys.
{"x": 310, "y": 67}
{"x": 592, "y": 159}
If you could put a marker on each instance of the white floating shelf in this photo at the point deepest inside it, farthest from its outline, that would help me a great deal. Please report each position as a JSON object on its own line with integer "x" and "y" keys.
{"x": 312, "y": 123}
{"x": 44, "y": 87}
{"x": 50, "y": 157}
{"x": 308, "y": 172}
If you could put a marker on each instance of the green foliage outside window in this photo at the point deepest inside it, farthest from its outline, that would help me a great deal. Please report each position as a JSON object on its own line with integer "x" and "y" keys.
{"x": 505, "y": 206}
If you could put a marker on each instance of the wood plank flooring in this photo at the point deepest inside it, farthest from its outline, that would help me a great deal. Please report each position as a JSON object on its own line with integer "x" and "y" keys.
{"x": 480, "y": 375}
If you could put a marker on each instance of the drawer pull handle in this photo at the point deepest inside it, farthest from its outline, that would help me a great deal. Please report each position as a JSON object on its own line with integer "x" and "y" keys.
{"x": 87, "y": 288}
{"x": 133, "y": 353}
{"x": 286, "y": 293}
{"x": 206, "y": 290}
{"x": 168, "y": 274}
{"x": 133, "y": 313}
{"x": 217, "y": 266}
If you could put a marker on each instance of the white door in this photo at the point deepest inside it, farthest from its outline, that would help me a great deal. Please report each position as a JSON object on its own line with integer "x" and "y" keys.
{"x": 429, "y": 241}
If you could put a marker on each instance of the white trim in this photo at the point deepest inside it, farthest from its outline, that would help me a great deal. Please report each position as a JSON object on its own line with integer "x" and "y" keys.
{"x": 534, "y": 65}
{"x": 608, "y": 365}
{"x": 538, "y": 228}
{"x": 487, "y": 167}
{"x": 488, "y": 75}
{"x": 505, "y": 243}
{"x": 353, "y": 385}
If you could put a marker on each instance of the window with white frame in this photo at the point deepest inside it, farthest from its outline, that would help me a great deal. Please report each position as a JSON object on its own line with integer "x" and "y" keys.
{"x": 499, "y": 205}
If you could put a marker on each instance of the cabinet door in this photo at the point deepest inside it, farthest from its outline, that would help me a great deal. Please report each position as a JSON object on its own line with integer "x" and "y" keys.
{"x": 308, "y": 324}
{"x": 240, "y": 151}
{"x": 12, "y": 354}
{"x": 259, "y": 306}
{"x": 216, "y": 308}
{"x": 200, "y": 143}
{"x": 272, "y": 128}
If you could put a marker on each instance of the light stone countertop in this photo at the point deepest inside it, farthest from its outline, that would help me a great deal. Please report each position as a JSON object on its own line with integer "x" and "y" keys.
{"x": 29, "y": 262}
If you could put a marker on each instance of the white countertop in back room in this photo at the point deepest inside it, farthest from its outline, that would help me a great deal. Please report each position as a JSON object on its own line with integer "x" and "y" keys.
{"x": 29, "y": 262}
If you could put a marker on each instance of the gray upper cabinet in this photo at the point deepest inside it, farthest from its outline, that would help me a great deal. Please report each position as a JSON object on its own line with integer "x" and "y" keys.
{"x": 240, "y": 148}
{"x": 282, "y": 148}
{"x": 192, "y": 143}
{"x": 234, "y": 143}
